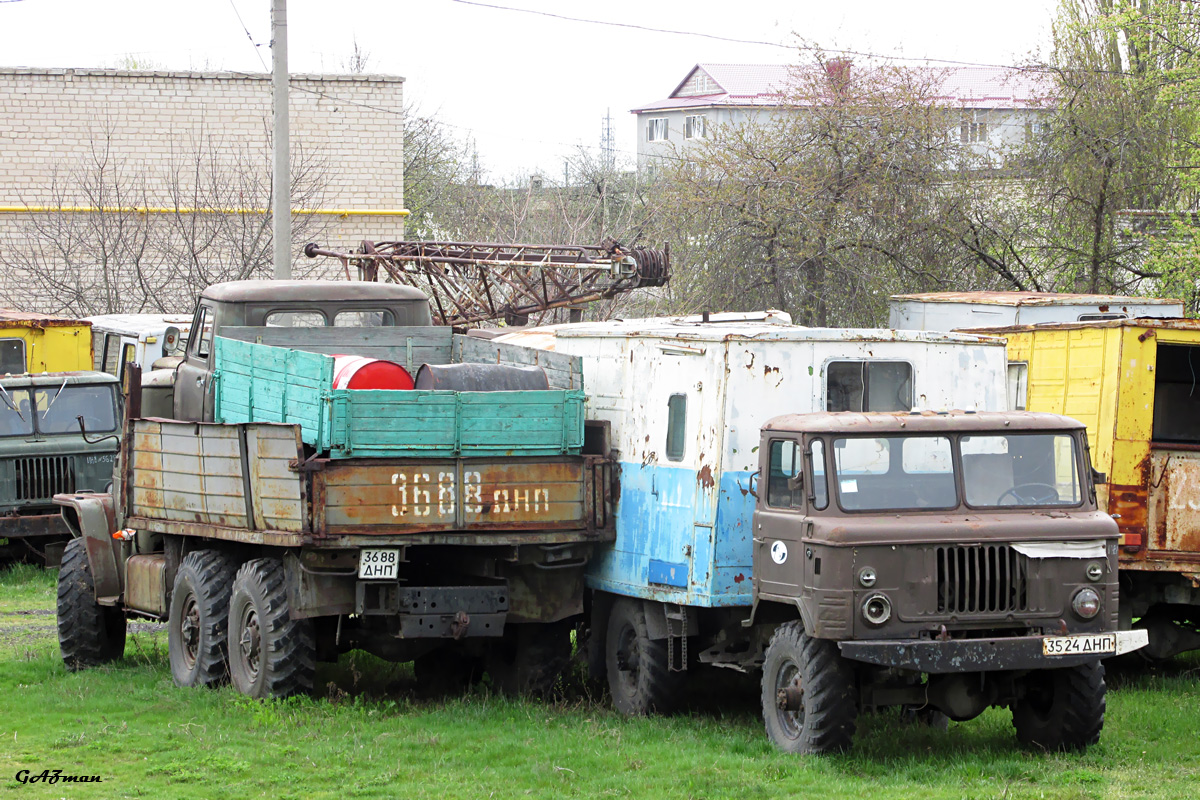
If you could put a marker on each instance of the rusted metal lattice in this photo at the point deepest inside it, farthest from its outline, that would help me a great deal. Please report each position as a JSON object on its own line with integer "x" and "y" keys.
{"x": 474, "y": 282}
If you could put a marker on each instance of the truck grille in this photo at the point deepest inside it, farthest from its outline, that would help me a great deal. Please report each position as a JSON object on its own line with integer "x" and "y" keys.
{"x": 42, "y": 477}
{"x": 984, "y": 579}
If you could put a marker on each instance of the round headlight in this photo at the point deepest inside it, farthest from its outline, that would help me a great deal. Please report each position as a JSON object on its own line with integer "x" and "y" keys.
{"x": 1095, "y": 571}
{"x": 877, "y": 609}
{"x": 1086, "y": 603}
{"x": 866, "y": 576}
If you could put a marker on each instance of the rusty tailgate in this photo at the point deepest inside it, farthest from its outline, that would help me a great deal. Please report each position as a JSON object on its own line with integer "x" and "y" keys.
{"x": 415, "y": 496}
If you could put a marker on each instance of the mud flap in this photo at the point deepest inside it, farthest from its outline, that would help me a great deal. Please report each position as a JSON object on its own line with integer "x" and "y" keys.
{"x": 91, "y": 517}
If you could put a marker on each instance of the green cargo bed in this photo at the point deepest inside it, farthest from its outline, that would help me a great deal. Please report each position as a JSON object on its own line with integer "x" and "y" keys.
{"x": 261, "y": 383}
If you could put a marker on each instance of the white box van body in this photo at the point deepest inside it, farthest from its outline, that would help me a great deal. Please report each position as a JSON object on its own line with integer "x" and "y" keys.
{"x": 684, "y": 401}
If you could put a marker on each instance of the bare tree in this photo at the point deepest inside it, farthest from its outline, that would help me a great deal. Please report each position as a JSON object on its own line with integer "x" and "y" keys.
{"x": 823, "y": 209}
{"x": 121, "y": 238}
{"x": 90, "y": 262}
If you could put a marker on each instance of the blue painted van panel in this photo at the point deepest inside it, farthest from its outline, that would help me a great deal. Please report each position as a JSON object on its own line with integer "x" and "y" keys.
{"x": 662, "y": 518}
{"x": 668, "y": 574}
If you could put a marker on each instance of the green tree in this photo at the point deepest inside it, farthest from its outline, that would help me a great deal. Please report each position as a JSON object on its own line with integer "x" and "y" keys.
{"x": 1123, "y": 126}
{"x": 822, "y": 208}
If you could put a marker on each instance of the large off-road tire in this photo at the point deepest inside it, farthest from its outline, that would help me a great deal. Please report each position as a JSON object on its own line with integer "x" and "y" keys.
{"x": 639, "y": 679}
{"x": 270, "y": 654}
{"x": 197, "y": 624}
{"x": 808, "y": 693}
{"x": 1062, "y": 709}
{"x": 89, "y": 634}
{"x": 528, "y": 660}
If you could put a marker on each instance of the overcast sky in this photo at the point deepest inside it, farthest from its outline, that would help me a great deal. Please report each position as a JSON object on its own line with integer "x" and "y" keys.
{"x": 528, "y": 88}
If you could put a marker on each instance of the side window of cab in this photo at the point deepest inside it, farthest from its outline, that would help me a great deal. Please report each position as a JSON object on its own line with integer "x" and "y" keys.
{"x": 201, "y": 341}
{"x": 783, "y": 468}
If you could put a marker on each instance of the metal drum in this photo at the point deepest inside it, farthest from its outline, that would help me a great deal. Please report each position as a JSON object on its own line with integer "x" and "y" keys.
{"x": 359, "y": 372}
{"x": 481, "y": 377}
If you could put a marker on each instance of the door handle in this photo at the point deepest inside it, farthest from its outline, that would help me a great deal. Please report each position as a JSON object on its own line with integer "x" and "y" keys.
{"x": 200, "y": 380}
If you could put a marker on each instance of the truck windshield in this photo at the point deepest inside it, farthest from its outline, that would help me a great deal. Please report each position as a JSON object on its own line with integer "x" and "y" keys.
{"x": 894, "y": 472}
{"x": 52, "y": 411}
{"x": 918, "y": 472}
{"x": 1031, "y": 469}
{"x": 15, "y": 417}
{"x": 58, "y": 412}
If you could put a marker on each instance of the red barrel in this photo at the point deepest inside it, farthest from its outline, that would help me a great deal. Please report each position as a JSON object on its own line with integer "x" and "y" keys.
{"x": 360, "y": 372}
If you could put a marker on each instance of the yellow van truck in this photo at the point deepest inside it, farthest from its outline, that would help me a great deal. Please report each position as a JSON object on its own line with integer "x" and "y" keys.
{"x": 1135, "y": 383}
{"x": 36, "y": 343}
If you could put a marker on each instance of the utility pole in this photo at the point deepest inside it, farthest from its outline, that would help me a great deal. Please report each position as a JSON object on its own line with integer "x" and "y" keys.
{"x": 281, "y": 183}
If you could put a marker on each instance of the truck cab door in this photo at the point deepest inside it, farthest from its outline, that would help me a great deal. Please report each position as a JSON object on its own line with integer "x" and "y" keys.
{"x": 780, "y": 518}
{"x": 193, "y": 378}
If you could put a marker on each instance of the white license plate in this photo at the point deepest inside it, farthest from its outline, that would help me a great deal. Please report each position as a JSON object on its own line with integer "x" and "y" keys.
{"x": 378, "y": 563}
{"x": 1087, "y": 644}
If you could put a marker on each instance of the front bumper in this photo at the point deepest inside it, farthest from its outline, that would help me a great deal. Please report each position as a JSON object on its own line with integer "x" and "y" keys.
{"x": 32, "y": 526}
{"x": 977, "y": 655}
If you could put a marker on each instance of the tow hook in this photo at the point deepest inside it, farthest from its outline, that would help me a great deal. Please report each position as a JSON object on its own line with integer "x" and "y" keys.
{"x": 458, "y": 628}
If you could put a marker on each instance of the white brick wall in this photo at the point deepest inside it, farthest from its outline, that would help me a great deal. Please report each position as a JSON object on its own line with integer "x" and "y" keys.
{"x": 153, "y": 123}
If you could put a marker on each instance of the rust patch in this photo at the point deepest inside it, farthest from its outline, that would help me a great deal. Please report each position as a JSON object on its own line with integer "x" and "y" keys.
{"x": 768, "y": 369}
{"x": 739, "y": 578}
{"x": 705, "y": 477}
{"x": 1129, "y": 502}
{"x": 1103, "y": 309}
{"x": 751, "y": 364}
{"x": 1147, "y": 334}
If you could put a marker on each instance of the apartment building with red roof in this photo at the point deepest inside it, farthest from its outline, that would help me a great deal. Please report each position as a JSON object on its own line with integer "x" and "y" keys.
{"x": 999, "y": 106}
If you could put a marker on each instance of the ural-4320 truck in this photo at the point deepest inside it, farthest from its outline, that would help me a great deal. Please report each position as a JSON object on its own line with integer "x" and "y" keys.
{"x": 945, "y": 562}
{"x": 446, "y": 520}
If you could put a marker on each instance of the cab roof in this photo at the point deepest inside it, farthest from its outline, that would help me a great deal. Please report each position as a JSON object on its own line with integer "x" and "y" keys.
{"x": 11, "y": 380}
{"x": 11, "y": 318}
{"x": 270, "y": 291}
{"x": 853, "y": 422}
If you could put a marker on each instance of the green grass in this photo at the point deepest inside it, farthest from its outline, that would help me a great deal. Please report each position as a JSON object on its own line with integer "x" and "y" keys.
{"x": 367, "y": 734}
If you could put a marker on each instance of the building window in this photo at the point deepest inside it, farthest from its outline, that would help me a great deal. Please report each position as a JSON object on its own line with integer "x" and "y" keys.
{"x": 1036, "y": 130}
{"x": 868, "y": 386}
{"x": 695, "y": 127}
{"x": 656, "y": 129}
{"x": 971, "y": 131}
{"x": 676, "y": 420}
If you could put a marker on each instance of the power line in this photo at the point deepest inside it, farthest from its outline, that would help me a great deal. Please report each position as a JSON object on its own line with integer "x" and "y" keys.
{"x": 697, "y": 34}
{"x": 248, "y": 36}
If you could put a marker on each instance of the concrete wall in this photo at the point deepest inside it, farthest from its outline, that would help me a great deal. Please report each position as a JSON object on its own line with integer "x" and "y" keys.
{"x": 173, "y": 139}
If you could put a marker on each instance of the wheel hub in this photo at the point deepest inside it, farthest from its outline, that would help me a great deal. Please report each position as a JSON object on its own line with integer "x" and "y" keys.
{"x": 790, "y": 698}
{"x": 250, "y": 642}
{"x": 189, "y": 630}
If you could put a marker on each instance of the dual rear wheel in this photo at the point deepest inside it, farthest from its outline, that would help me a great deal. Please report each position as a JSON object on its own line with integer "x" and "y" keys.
{"x": 231, "y": 623}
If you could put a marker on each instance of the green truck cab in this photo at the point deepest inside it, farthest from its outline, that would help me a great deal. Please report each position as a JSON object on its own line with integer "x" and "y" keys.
{"x": 57, "y": 434}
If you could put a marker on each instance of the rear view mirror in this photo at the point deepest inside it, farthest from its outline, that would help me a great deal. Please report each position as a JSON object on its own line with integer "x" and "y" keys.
{"x": 1099, "y": 478}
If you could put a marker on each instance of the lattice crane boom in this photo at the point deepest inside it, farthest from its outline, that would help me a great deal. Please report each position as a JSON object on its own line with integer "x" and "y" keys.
{"x": 473, "y": 282}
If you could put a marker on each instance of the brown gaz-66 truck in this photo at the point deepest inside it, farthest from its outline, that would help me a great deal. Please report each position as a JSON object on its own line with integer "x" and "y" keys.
{"x": 282, "y": 520}
{"x": 942, "y": 562}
